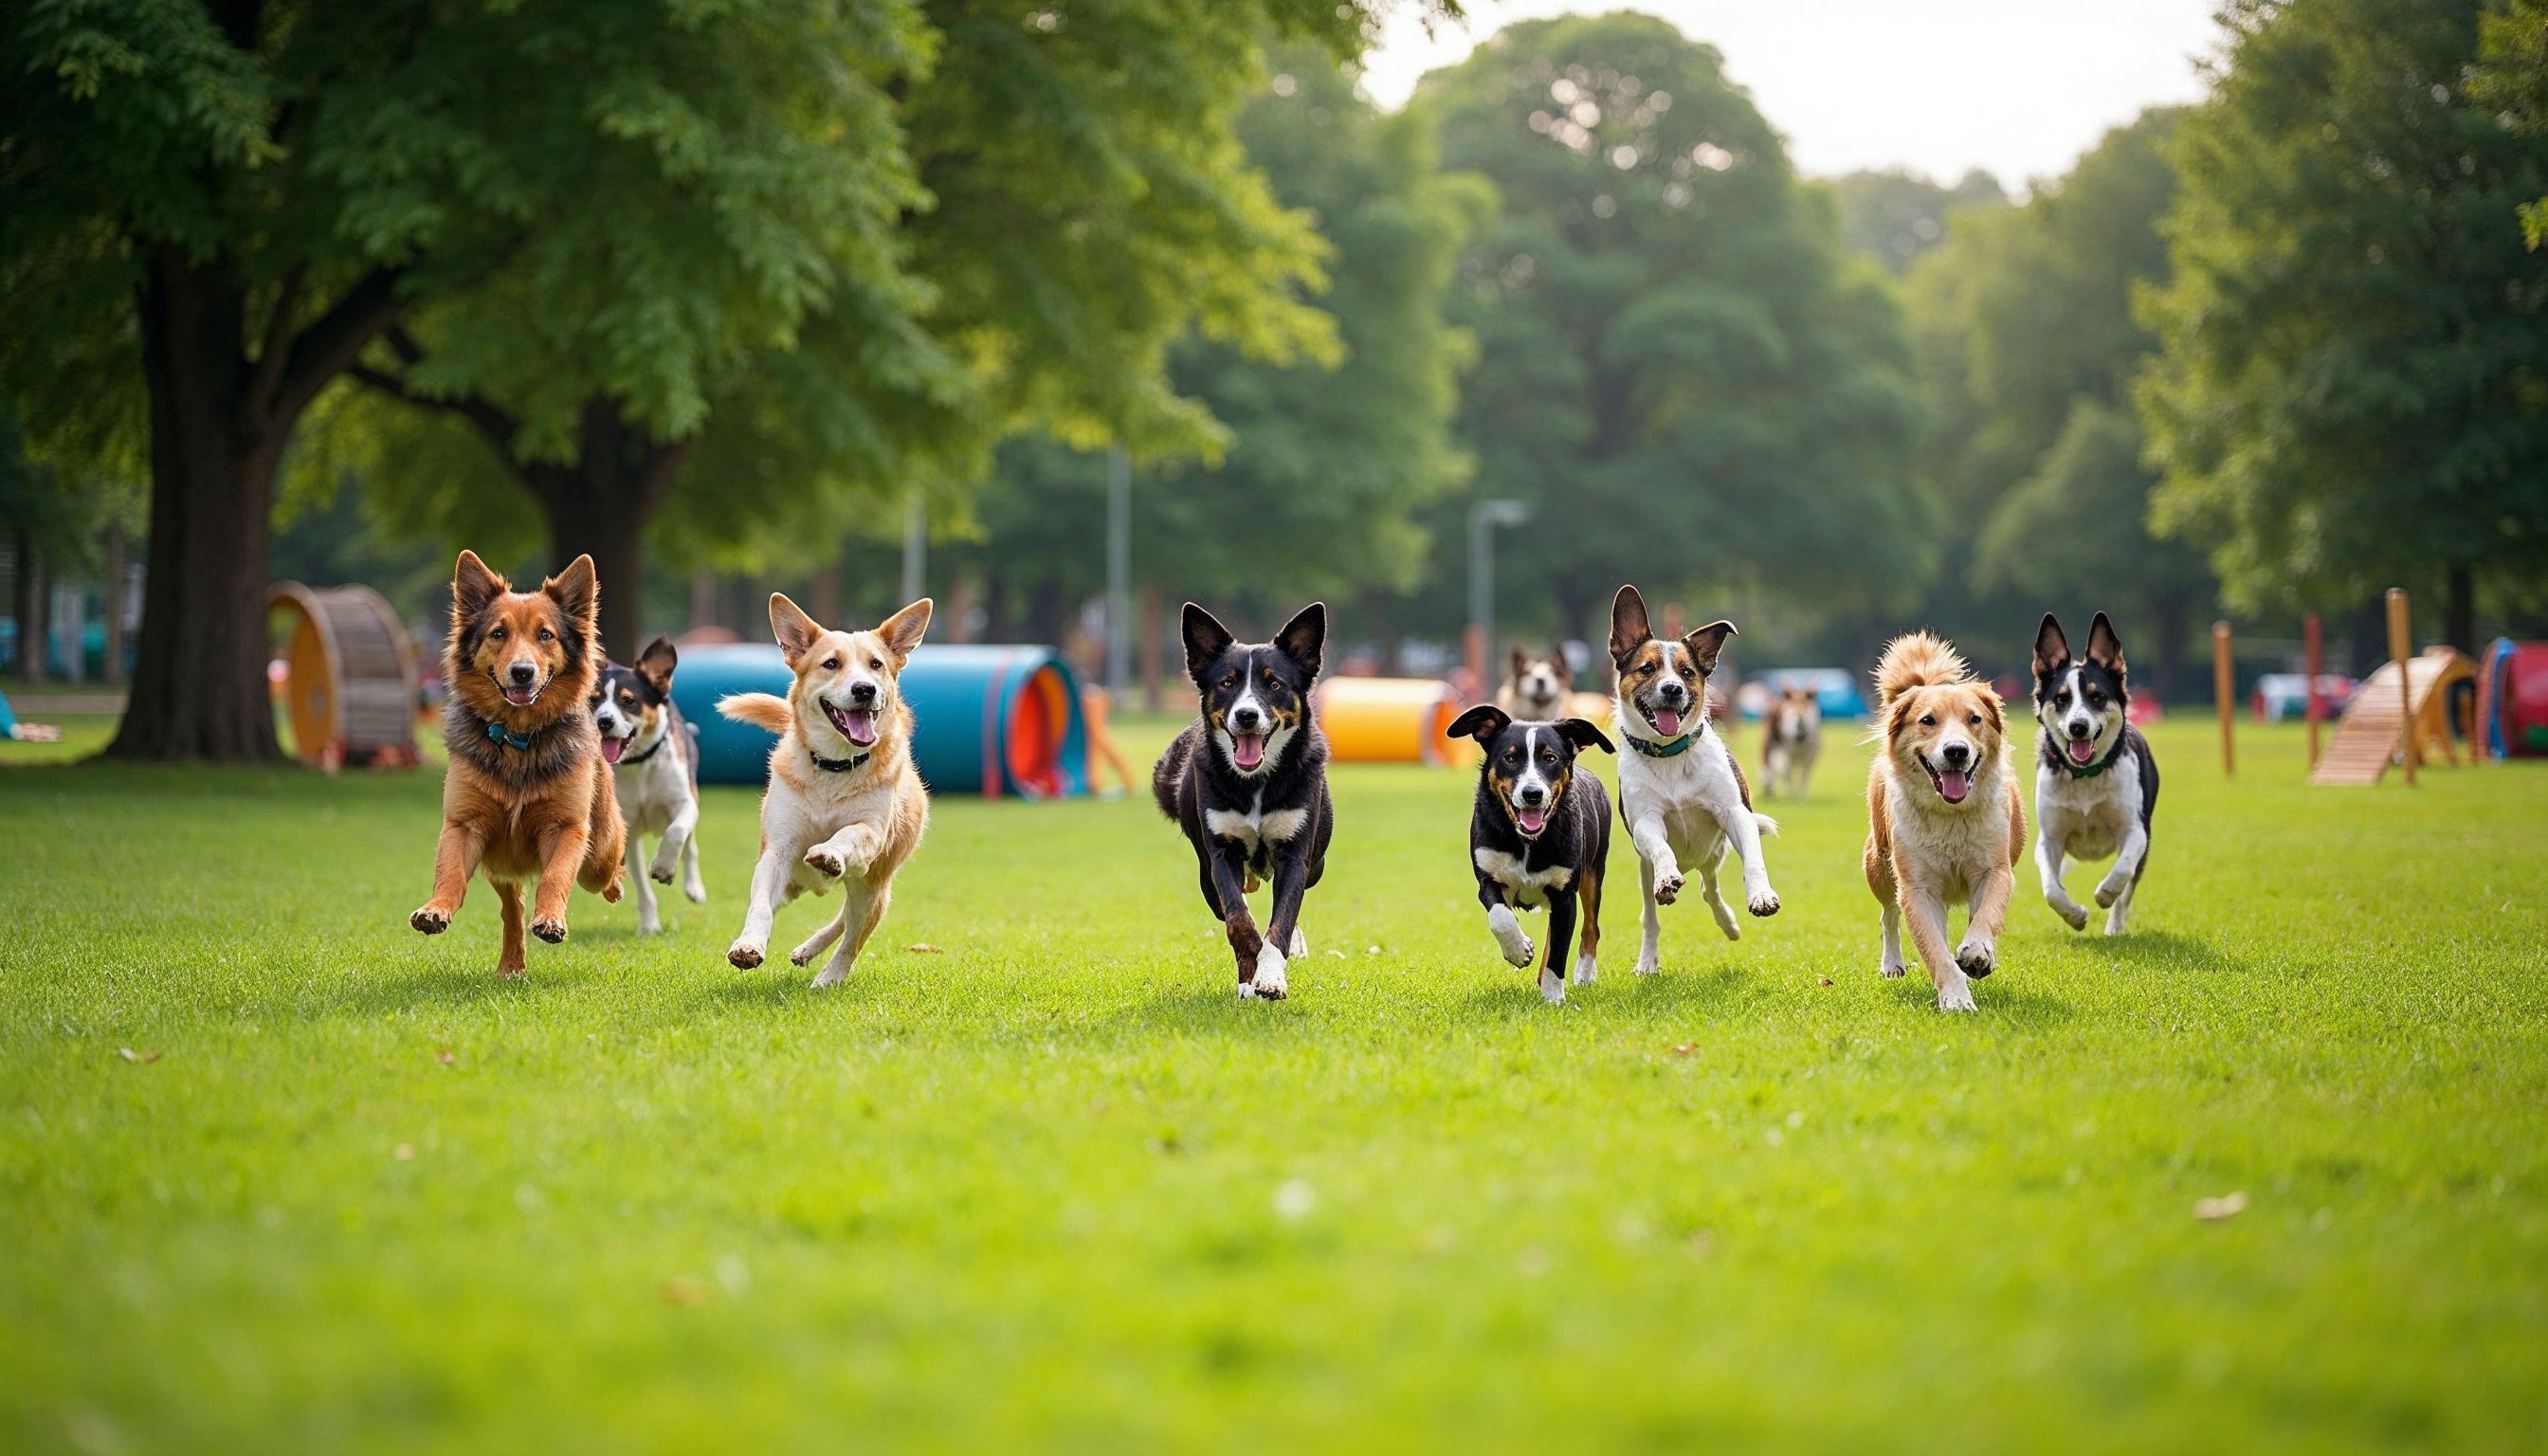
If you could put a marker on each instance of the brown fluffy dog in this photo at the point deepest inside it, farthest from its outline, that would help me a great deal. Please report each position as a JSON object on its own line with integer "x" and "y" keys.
{"x": 1945, "y": 821}
{"x": 526, "y": 797}
{"x": 845, "y": 806}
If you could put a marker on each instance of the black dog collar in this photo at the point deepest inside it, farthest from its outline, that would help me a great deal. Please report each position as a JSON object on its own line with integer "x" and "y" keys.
{"x": 834, "y": 766}
{"x": 625, "y": 761}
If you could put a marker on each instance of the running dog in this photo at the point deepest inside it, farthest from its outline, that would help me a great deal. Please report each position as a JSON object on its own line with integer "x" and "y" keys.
{"x": 1539, "y": 830}
{"x": 1535, "y": 689}
{"x": 2096, "y": 782}
{"x": 526, "y": 797}
{"x": 1943, "y": 816}
{"x": 1247, "y": 783}
{"x": 653, "y": 764}
{"x": 844, "y": 806}
{"x": 1791, "y": 738}
{"x": 1682, "y": 796}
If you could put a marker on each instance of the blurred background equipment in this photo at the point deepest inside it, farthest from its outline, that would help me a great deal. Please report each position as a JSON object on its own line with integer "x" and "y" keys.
{"x": 2513, "y": 698}
{"x": 348, "y": 684}
{"x": 996, "y": 721}
{"x": 1391, "y": 720}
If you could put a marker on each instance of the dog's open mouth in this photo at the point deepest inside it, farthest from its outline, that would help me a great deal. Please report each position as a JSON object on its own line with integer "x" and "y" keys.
{"x": 523, "y": 696}
{"x": 1247, "y": 749}
{"x": 1951, "y": 783}
{"x": 2082, "y": 750}
{"x": 1668, "y": 723}
{"x": 1530, "y": 821}
{"x": 857, "y": 725}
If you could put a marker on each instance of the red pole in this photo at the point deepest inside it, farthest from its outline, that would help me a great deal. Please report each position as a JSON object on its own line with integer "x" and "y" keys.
{"x": 2313, "y": 648}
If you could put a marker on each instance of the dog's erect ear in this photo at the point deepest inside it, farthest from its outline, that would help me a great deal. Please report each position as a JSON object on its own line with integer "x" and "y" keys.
{"x": 1481, "y": 722}
{"x": 473, "y": 586}
{"x": 1304, "y": 639}
{"x": 2051, "y": 648}
{"x": 1206, "y": 640}
{"x": 903, "y": 630}
{"x": 656, "y": 663}
{"x": 576, "y": 590}
{"x": 2105, "y": 649}
{"x": 1520, "y": 661}
{"x": 1706, "y": 643}
{"x": 1628, "y": 629}
{"x": 793, "y": 630}
{"x": 1580, "y": 733}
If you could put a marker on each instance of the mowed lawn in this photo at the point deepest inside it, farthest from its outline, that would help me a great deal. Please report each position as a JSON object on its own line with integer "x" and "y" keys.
{"x": 1052, "y": 1183}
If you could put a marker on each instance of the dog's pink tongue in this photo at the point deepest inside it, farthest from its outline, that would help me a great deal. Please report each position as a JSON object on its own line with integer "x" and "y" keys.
{"x": 1953, "y": 785}
{"x": 1247, "y": 747}
{"x": 1667, "y": 720}
{"x": 612, "y": 748}
{"x": 1532, "y": 821}
{"x": 2081, "y": 749}
{"x": 857, "y": 725}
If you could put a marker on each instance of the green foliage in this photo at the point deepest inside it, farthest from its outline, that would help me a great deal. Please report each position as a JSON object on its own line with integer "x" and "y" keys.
{"x": 1894, "y": 217}
{"x": 2512, "y": 76}
{"x": 1675, "y": 366}
{"x": 2353, "y": 387}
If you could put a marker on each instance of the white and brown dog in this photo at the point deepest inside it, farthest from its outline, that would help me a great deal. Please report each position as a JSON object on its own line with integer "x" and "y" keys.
{"x": 1944, "y": 822}
{"x": 1791, "y": 738}
{"x": 653, "y": 764}
{"x": 1682, "y": 796}
{"x": 845, "y": 806}
{"x": 1536, "y": 688}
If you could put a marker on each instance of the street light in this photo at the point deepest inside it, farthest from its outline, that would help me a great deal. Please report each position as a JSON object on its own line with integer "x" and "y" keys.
{"x": 1483, "y": 517}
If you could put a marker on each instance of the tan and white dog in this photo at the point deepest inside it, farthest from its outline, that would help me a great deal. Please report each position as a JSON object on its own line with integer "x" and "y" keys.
{"x": 844, "y": 806}
{"x": 1791, "y": 738}
{"x": 1682, "y": 796}
{"x": 1944, "y": 822}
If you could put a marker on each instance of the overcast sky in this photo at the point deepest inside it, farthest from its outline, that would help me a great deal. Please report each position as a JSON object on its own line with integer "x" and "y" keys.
{"x": 2021, "y": 87}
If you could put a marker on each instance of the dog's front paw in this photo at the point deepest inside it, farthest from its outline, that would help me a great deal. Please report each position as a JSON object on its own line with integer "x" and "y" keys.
{"x": 660, "y": 871}
{"x": 2109, "y": 890}
{"x": 1955, "y": 997}
{"x": 824, "y": 860}
{"x": 2073, "y": 913}
{"x": 613, "y": 892}
{"x": 1510, "y": 938}
{"x": 1763, "y": 903}
{"x": 1649, "y": 962}
{"x": 1552, "y": 988}
{"x": 549, "y": 930}
{"x": 695, "y": 893}
{"x": 743, "y": 956}
{"x": 1978, "y": 958}
{"x": 830, "y": 975}
{"x": 1267, "y": 981}
{"x": 1668, "y": 883}
{"x": 431, "y": 920}
{"x": 1893, "y": 970}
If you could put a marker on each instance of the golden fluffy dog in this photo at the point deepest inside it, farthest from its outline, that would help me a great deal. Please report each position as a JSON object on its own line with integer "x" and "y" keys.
{"x": 526, "y": 797}
{"x": 1944, "y": 818}
{"x": 844, "y": 805}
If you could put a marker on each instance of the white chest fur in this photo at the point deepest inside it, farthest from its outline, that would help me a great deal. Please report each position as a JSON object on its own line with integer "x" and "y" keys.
{"x": 1693, "y": 793}
{"x": 651, "y": 793}
{"x": 1255, "y": 827}
{"x": 2089, "y": 817}
{"x": 1527, "y": 887}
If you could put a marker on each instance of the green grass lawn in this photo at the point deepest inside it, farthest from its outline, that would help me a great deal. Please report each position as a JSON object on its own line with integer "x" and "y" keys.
{"x": 1055, "y": 1184}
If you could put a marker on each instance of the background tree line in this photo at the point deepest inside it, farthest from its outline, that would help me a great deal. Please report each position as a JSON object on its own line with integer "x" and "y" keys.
{"x": 732, "y": 289}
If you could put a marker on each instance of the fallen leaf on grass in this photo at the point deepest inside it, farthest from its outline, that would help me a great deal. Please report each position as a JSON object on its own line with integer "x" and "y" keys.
{"x": 1825, "y": 980}
{"x": 684, "y": 1290}
{"x": 1683, "y": 1050}
{"x": 2227, "y": 1206}
{"x": 444, "y": 1056}
{"x": 128, "y": 1054}
{"x": 923, "y": 948}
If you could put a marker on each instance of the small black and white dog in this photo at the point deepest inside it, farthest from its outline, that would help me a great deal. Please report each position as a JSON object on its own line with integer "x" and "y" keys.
{"x": 2097, "y": 784}
{"x": 1247, "y": 781}
{"x": 654, "y": 763}
{"x": 1539, "y": 832}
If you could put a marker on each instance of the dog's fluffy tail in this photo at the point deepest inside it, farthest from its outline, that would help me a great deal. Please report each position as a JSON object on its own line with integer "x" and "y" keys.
{"x": 1768, "y": 826}
{"x": 1916, "y": 659}
{"x": 765, "y": 709}
{"x": 1170, "y": 771}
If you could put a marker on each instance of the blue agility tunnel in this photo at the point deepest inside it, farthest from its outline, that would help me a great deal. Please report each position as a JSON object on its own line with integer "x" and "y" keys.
{"x": 987, "y": 720}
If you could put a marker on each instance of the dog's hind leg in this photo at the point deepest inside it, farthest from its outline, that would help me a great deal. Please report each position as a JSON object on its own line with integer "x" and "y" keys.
{"x": 648, "y": 922}
{"x": 2119, "y": 915}
{"x": 693, "y": 888}
{"x": 1649, "y": 951}
{"x": 510, "y": 961}
{"x": 1588, "y": 893}
{"x": 862, "y": 910}
{"x": 821, "y": 940}
{"x": 1715, "y": 898}
{"x": 2047, "y": 862}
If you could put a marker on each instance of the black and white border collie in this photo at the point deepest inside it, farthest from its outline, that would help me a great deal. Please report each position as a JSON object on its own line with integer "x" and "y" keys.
{"x": 653, "y": 764}
{"x": 1247, "y": 781}
{"x": 1539, "y": 832}
{"x": 2096, "y": 785}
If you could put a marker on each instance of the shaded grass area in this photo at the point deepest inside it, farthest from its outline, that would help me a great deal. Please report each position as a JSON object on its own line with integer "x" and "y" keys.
{"x": 1050, "y": 1182}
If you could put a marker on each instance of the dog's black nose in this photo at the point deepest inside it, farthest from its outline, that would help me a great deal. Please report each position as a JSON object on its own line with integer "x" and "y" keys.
{"x": 523, "y": 672}
{"x": 863, "y": 692}
{"x": 1955, "y": 754}
{"x": 1671, "y": 692}
{"x": 2078, "y": 730}
{"x": 1531, "y": 795}
{"x": 1245, "y": 717}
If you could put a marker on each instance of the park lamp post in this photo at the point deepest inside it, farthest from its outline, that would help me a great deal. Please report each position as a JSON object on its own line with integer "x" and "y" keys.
{"x": 1483, "y": 517}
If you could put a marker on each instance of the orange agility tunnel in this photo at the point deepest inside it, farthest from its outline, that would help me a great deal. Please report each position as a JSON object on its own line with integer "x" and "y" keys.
{"x": 1391, "y": 720}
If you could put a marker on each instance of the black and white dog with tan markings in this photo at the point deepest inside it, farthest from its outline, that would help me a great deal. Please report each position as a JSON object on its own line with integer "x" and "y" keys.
{"x": 2096, "y": 785}
{"x": 1682, "y": 796}
{"x": 1247, "y": 783}
{"x": 653, "y": 759}
{"x": 1540, "y": 833}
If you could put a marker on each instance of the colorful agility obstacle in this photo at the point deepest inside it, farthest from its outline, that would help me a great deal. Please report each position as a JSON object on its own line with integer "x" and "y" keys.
{"x": 988, "y": 720}
{"x": 2372, "y": 734}
{"x": 349, "y": 677}
{"x": 2513, "y": 698}
{"x": 1391, "y": 720}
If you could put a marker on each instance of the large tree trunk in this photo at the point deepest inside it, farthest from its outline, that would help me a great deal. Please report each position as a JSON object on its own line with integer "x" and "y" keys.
{"x": 2459, "y": 608}
{"x": 600, "y": 506}
{"x": 31, "y": 614}
{"x": 117, "y": 569}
